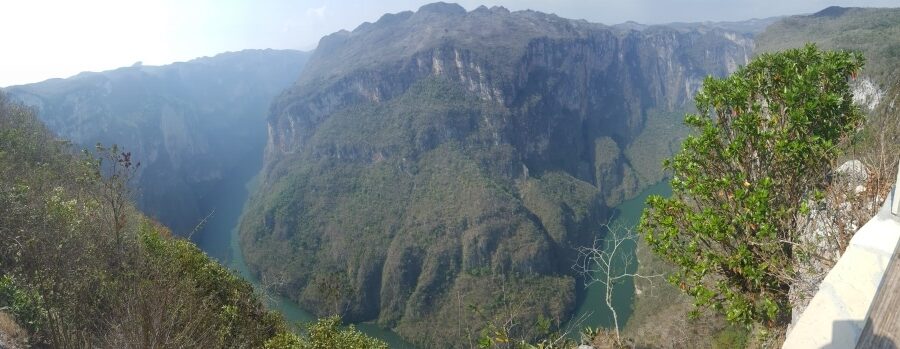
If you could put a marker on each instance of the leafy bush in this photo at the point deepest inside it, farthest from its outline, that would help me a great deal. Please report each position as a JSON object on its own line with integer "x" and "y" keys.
{"x": 23, "y": 305}
{"x": 765, "y": 139}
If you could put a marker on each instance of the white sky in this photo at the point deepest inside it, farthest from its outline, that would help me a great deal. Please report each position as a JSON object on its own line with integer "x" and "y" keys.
{"x": 43, "y": 39}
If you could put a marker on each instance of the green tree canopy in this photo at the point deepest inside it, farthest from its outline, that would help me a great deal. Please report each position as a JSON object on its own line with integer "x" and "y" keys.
{"x": 765, "y": 138}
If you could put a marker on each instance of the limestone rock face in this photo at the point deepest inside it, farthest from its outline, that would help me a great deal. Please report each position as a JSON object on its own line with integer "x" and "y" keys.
{"x": 440, "y": 158}
{"x": 854, "y": 173}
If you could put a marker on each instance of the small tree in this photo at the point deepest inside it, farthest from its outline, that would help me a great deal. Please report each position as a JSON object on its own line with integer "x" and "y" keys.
{"x": 116, "y": 188}
{"x": 609, "y": 262}
{"x": 765, "y": 139}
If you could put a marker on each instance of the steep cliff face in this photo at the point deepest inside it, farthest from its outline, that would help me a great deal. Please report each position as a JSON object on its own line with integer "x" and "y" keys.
{"x": 443, "y": 158}
{"x": 190, "y": 124}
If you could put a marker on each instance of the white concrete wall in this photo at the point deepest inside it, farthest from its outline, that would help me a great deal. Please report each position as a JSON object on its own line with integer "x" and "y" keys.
{"x": 837, "y": 313}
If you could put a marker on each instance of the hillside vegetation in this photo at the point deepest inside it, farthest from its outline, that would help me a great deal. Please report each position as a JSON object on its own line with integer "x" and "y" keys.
{"x": 874, "y": 32}
{"x": 80, "y": 267}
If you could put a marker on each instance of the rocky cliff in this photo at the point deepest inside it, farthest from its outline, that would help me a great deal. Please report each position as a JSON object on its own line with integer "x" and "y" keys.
{"x": 192, "y": 125}
{"x": 441, "y": 159}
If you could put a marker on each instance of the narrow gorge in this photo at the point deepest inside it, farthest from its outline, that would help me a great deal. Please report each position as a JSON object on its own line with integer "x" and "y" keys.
{"x": 196, "y": 127}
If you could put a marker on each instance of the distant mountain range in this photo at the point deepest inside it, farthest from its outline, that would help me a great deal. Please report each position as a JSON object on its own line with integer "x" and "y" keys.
{"x": 751, "y": 26}
{"x": 190, "y": 124}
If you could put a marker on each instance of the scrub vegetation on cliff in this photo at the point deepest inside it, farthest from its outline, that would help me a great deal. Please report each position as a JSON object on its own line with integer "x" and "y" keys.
{"x": 80, "y": 267}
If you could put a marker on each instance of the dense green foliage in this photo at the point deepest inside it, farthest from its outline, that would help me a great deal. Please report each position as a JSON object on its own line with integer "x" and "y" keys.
{"x": 875, "y": 32}
{"x": 765, "y": 139}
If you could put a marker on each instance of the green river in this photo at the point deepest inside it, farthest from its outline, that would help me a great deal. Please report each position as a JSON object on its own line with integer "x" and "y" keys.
{"x": 591, "y": 304}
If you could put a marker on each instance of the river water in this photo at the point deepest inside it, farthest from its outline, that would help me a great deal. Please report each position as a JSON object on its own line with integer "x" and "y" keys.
{"x": 592, "y": 306}
{"x": 219, "y": 239}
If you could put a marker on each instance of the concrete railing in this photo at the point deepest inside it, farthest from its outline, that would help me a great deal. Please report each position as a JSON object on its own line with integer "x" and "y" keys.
{"x": 837, "y": 314}
{"x": 895, "y": 195}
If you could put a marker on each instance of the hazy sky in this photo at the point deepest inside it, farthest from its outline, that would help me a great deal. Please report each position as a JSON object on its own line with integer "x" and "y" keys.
{"x": 44, "y": 39}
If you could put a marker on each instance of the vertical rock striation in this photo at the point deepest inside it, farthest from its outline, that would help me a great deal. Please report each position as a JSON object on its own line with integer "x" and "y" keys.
{"x": 442, "y": 158}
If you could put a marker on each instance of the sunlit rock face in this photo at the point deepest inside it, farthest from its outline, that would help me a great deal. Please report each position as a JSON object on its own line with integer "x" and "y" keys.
{"x": 438, "y": 158}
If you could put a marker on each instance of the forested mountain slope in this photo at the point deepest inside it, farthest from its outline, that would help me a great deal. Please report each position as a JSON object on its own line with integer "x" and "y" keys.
{"x": 438, "y": 159}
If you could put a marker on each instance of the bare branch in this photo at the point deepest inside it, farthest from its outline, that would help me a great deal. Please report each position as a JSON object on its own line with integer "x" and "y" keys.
{"x": 607, "y": 262}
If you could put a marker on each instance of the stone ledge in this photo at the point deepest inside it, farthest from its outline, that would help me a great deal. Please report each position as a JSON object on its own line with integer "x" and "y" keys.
{"x": 837, "y": 313}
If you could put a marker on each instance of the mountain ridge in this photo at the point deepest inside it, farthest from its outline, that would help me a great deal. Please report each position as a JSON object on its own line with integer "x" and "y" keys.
{"x": 440, "y": 157}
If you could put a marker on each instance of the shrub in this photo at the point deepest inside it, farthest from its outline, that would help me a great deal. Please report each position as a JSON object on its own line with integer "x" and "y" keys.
{"x": 765, "y": 138}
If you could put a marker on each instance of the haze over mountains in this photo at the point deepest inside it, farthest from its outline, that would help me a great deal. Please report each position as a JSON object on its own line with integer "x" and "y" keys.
{"x": 434, "y": 159}
{"x": 190, "y": 124}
